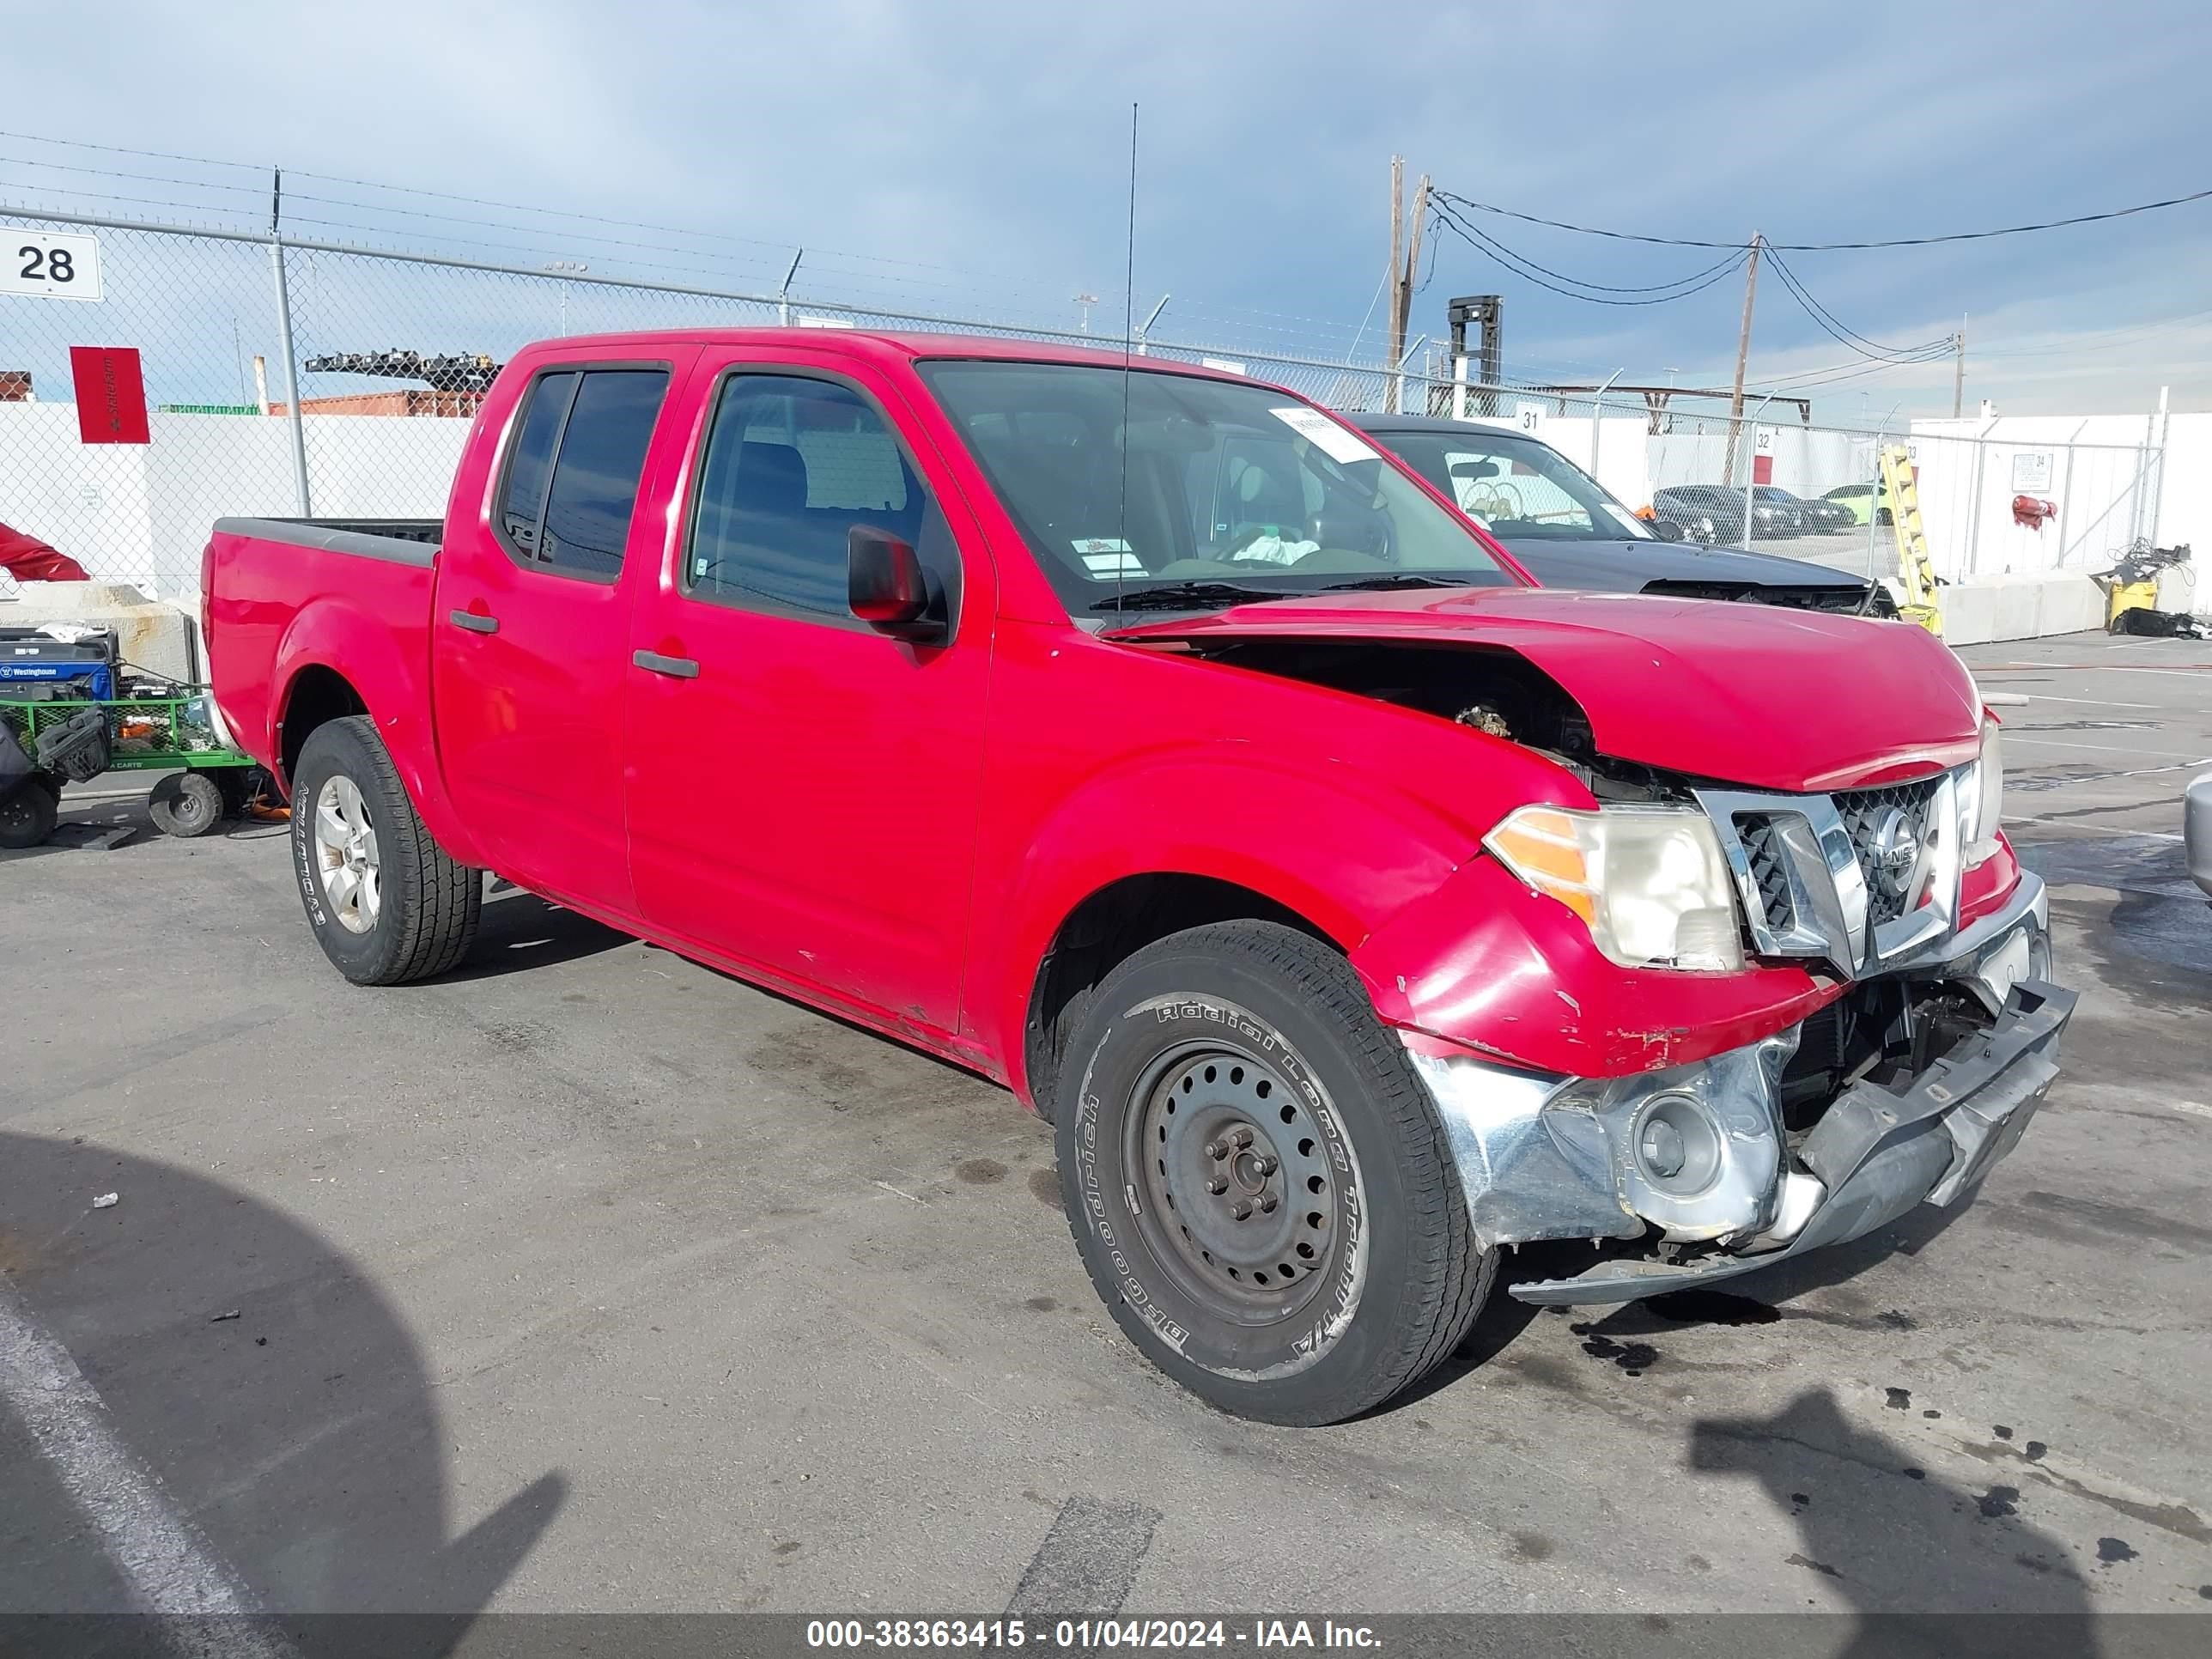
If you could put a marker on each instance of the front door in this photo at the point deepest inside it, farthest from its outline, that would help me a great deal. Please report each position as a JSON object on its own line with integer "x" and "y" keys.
{"x": 532, "y": 621}
{"x": 804, "y": 788}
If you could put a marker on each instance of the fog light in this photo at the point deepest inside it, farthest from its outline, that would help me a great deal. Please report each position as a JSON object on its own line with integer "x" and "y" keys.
{"x": 1677, "y": 1145}
{"x": 1663, "y": 1148}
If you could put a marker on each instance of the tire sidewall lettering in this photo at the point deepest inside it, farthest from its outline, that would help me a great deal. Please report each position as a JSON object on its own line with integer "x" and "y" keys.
{"x": 1324, "y": 1324}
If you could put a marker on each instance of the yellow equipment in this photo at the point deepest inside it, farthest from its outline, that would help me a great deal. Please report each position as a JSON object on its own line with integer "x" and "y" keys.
{"x": 2125, "y": 596}
{"x": 1921, "y": 604}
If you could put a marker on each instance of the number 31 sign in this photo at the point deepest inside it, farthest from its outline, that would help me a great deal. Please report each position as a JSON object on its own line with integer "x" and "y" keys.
{"x": 48, "y": 267}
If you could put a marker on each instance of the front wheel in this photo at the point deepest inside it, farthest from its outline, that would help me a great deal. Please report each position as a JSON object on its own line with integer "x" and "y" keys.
{"x": 386, "y": 902}
{"x": 1256, "y": 1181}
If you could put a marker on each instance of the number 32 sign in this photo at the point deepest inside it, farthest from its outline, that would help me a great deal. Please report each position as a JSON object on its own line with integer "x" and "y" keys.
{"x": 48, "y": 267}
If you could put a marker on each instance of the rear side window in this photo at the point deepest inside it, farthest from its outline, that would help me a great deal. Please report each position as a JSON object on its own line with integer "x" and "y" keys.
{"x": 572, "y": 481}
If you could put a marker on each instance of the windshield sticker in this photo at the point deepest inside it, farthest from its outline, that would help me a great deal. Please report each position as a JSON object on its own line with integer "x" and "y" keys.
{"x": 1629, "y": 520}
{"x": 1325, "y": 435}
{"x": 1104, "y": 556}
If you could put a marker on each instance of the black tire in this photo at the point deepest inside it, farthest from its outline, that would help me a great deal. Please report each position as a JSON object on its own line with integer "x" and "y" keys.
{"x": 1252, "y": 1027}
{"x": 185, "y": 804}
{"x": 426, "y": 908}
{"x": 28, "y": 812}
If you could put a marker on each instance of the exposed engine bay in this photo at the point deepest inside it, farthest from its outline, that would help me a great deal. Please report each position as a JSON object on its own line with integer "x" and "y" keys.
{"x": 1496, "y": 692}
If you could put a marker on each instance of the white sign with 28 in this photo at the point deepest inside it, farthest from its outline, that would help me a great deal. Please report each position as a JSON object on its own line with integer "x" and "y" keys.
{"x": 40, "y": 266}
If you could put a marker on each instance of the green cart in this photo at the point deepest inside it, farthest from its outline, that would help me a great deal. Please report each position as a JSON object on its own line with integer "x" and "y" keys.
{"x": 209, "y": 780}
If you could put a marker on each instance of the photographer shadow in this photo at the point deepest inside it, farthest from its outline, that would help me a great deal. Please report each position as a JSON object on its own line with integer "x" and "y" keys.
{"x": 273, "y": 1393}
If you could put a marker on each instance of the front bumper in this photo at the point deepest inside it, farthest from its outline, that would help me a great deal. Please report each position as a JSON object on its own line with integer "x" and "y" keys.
{"x": 1543, "y": 1157}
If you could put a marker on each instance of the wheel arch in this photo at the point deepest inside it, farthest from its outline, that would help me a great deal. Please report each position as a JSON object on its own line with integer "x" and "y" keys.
{"x": 1106, "y": 928}
{"x": 336, "y": 661}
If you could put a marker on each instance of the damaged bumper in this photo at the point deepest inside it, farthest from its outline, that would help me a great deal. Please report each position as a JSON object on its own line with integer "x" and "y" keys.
{"x": 1700, "y": 1154}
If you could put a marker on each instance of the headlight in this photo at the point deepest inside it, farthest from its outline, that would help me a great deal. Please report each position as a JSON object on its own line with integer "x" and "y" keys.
{"x": 1984, "y": 799}
{"x": 1650, "y": 882}
{"x": 1705, "y": 532}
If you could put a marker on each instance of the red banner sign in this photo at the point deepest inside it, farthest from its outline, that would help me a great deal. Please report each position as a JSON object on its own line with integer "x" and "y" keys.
{"x": 111, "y": 394}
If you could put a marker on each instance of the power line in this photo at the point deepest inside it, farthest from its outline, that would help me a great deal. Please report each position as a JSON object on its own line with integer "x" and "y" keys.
{"x": 1849, "y": 338}
{"x": 1834, "y": 247}
{"x": 1512, "y": 262}
{"x": 1737, "y": 258}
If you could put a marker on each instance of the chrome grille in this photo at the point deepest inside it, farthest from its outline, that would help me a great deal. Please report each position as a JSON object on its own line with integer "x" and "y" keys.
{"x": 1867, "y": 815}
{"x": 1762, "y": 844}
{"x": 1861, "y": 879}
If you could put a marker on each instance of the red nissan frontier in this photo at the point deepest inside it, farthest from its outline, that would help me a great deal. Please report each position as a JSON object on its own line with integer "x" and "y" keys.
{"x": 1141, "y": 738}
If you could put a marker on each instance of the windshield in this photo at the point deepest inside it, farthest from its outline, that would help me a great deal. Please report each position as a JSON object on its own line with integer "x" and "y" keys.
{"x": 1517, "y": 487}
{"x": 1771, "y": 493}
{"x": 1236, "y": 490}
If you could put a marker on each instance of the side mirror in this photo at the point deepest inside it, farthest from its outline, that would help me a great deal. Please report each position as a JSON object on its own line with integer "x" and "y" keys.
{"x": 883, "y": 584}
{"x": 1665, "y": 529}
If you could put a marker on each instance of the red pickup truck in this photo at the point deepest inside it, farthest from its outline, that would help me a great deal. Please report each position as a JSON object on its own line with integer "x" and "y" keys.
{"x": 1140, "y": 737}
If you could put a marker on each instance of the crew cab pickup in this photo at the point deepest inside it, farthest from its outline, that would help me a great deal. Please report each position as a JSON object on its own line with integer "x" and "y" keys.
{"x": 1142, "y": 738}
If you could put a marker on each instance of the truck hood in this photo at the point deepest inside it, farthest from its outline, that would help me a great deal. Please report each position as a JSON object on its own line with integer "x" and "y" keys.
{"x": 1631, "y": 567}
{"x": 1747, "y": 694}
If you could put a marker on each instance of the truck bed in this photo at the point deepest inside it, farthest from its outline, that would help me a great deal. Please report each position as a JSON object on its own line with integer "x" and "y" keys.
{"x": 280, "y": 592}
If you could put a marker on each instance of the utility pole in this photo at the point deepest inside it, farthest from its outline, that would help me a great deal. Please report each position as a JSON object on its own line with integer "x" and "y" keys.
{"x": 1743, "y": 354}
{"x": 1405, "y": 264}
{"x": 1959, "y": 369}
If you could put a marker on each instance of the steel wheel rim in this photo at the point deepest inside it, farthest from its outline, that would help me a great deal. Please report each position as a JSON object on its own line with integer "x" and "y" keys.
{"x": 1216, "y": 1116}
{"x": 346, "y": 855}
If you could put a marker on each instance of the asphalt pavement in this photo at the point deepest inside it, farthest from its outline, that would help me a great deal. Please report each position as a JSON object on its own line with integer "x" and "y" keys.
{"x": 588, "y": 1279}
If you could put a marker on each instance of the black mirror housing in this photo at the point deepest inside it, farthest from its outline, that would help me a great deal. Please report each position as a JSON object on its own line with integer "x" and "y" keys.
{"x": 1665, "y": 529}
{"x": 885, "y": 585}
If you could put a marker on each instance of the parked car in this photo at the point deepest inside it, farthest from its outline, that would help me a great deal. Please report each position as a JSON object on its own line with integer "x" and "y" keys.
{"x": 2197, "y": 830}
{"x": 1814, "y": 518}
{"x": 1139, "y": 737}
{"x": 1711, "y": 514}
{"x": 1564, "y": 529}
{"x": 1863, "y": 501}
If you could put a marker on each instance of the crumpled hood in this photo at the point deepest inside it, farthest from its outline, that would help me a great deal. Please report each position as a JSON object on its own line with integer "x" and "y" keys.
{"x": 1626, "y": 566}
{"x": 1754, "y": 695}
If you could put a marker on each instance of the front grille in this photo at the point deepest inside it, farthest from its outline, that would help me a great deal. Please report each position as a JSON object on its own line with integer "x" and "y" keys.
{"x": 1865, "y": 813}
{"x": 1762, "y": 845}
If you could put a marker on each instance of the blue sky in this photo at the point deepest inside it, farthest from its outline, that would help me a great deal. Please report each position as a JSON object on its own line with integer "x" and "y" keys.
{"x": 973, "y": 157}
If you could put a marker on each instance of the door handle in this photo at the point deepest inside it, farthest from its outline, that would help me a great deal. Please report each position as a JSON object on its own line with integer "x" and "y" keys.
{"x": 475, "y": 622}
{"x": 677, "y": 668}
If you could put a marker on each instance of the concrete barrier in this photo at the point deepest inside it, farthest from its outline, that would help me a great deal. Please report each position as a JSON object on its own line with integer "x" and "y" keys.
{"x": 2025, "y": 606}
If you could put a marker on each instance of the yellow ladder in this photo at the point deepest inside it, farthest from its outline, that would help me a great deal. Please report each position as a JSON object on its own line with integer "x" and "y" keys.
{"x": 1921, "y": 604}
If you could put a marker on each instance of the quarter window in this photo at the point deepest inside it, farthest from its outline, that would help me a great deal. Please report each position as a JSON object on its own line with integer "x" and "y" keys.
{"x": 572, "y": 484}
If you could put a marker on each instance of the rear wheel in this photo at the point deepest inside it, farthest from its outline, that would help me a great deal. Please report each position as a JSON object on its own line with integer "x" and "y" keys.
{"x": 1258, "y": 1185}
{"x": 186, "y": 805}
{"x": 28, "y": 812}
{"x": 386, "y": 902}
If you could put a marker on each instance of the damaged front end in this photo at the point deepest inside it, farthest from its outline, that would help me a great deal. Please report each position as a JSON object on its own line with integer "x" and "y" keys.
{"x": 1906, "y": 1090}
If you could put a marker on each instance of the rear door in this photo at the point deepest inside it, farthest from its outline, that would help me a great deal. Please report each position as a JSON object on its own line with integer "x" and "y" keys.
{"x": 531, "y": 622}
{"x": 804, "y": 788}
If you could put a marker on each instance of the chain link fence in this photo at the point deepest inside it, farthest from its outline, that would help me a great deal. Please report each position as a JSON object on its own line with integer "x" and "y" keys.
{"x": 296, "y": 377}
{"x": 1773, "y": 483}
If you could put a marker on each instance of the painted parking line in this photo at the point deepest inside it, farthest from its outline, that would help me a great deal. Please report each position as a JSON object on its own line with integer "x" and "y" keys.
{"x": 170, "y": 1570}
{"x": 2026, "y": 734}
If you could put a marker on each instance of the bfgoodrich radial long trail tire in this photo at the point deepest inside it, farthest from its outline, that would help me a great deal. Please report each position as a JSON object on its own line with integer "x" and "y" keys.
{"x": 386, "y": 903}
{"x": 1257, "y": 1182}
